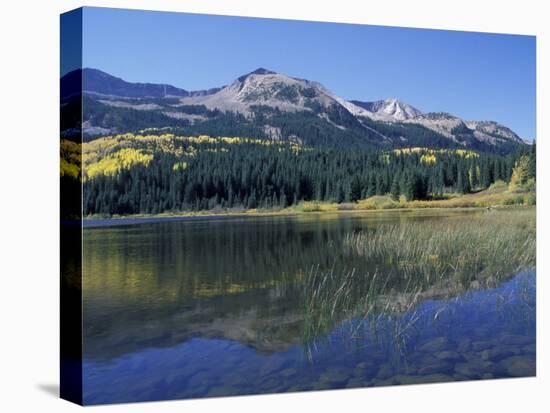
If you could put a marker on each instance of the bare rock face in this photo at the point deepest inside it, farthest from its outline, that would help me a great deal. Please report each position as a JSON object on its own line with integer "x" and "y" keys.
{"x": 391, "y": 110}
{"x": 264, "y": 87}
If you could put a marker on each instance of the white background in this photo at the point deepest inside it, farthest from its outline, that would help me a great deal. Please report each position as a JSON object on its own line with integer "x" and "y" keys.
{"x": 29, "y": 82}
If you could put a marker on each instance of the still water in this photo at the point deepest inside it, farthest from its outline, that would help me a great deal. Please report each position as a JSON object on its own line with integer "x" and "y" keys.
{"x": 183, "y": 308}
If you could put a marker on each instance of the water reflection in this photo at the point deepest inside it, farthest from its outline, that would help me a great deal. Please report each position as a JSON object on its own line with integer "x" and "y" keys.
{"x": 192, "y": 309}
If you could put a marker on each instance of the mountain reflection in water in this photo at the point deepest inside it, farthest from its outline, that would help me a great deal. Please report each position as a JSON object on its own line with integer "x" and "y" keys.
{"x": 192, "y": 309}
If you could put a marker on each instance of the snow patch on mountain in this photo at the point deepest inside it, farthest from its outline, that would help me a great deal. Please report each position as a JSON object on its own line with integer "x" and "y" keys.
{"x": 388, "y": 110}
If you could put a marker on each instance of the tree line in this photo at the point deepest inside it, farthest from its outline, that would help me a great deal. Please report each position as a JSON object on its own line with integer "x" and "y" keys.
{"x": 249, "y": 176}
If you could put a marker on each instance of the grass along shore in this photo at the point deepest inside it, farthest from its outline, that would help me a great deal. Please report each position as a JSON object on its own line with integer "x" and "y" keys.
{"x": 414, "y": 262}
{"x": 497, "y": 195}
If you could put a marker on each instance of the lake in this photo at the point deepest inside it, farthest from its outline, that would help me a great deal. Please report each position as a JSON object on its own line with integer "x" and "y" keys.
{"x": 215, "y": 307}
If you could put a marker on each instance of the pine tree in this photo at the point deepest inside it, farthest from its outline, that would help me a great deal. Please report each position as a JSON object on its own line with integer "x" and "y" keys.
{"x": 474, "y": 179}
{"x": 340, "y": 196}
{"x": 486, "y": 177}
{"x": 459, "y": 187}
{"x": 467, "y": 188}
{"x": 371, "y": 187}
{"x": 252, "y": 202}
{"x": 407, "y": 186}
{"x": 355, "y": 189}
{"x": 395, "y": 188}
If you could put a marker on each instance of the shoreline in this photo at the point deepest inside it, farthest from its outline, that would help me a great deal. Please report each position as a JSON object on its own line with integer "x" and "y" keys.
{"x": 97, "y": 222}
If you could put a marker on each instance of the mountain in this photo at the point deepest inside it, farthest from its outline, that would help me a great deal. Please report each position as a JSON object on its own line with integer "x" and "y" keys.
{"x": 489, "y": 130}
{"x": 96, "y": 81}
{"x": 450, "y": 126}
{"x": 267, "y": 104}
{"x": 103, "y": 84}
{"x": 463, "y": 132}
{"x": 264, "y": 87}
{"x": 388, "y": 110}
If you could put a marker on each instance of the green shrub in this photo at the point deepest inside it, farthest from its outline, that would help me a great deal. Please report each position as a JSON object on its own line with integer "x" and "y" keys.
{"x": 309, "y": 207}
{"x": 497, "y": 185}
{"x": 346, "y": 206}
{"x": 513, "y": 200}
{"x": 530, "y": 199}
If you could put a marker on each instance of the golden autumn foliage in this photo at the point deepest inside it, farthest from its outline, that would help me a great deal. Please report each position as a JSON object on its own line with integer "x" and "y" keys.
{"x": 169, "y": 143}
{"x": 117, "y": 161}
{"x": 110, "y": 154}
{"x": 521, "y": 178}
{"x": 428, "y": 155}
{"x": 71, "y": 170}
{"x": 428, "y": 158}
{"x": 71, "y": 158}
{"x": 180, "y": 165}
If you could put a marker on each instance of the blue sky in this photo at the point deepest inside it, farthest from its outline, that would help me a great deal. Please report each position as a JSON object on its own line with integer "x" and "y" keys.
{"x": 472, "y": 75}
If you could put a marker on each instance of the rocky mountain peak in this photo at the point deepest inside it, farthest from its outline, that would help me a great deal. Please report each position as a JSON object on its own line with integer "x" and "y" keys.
{"x": 258, "y": 71}
{"x": 390, "y": 110}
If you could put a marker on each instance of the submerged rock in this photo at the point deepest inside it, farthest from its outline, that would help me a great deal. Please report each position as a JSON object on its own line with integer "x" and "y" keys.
{"x": 474, "y": 369}
{"x": 273, "y": 385}
{"x": 364, "y": 369}
{"x": 436, "y": 344}
{"x": 288, "y": 372}
{"x": 321, "y": 385}
{"x": 300, "y": 387}
{"x": 515, "y": 339}
{"x": 273, "y": 365}
{"x": 441, "y": 366}
{"x": 497, "y": 353}
{"x": 223, "y": 391}
{"x": 460, "y": 377}
{"x": 481, "y": 345}
{"x": 355, "y": 382}
{"x": 451, "y": 356}
{"x": 200, "y": 380}
{"x": 335, "y": 376}
{"x": 464, "y": 345}
{"x": 365, "y": 365}
{"x": 388, "y": 382}
{"x": 437, "y": 378}
{"x": 481, "y": 332}
{"x": 430, "y": 378}
{"x": 519, "y": 366}
{"x": 406, "y": 379}
{"x": 385, "y": 372}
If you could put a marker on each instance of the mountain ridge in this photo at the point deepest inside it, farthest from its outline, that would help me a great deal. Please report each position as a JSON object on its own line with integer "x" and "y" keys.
{"x": 105, "y": 84}
{"x": 389, "y": 109}
{"x": 263, "y": 97}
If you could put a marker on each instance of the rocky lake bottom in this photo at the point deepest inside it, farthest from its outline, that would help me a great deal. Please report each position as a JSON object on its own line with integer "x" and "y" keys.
{"x": 483, "y": 334}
